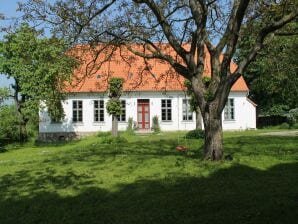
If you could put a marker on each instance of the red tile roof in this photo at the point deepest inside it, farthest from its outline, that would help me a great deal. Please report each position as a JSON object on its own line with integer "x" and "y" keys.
{"x": 96, "y": 69}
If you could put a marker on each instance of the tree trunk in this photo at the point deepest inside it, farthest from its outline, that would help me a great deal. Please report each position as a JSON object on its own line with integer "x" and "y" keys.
{"x": 114, "y": 126}
{"x": 23, "y": 135}
{"x": 23, "y": 130}
{"x": 213, "y": 147}
{"x": 198, "y": 119}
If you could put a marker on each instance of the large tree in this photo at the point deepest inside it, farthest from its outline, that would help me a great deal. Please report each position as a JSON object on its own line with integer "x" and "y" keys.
{"x": 191, "y": 29}
{"x": 272, "y": 76}
{"x": 39, "y": 68}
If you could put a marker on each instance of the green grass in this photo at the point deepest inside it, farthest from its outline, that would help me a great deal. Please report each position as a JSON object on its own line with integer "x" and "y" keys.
{"x": 147, "y": 181}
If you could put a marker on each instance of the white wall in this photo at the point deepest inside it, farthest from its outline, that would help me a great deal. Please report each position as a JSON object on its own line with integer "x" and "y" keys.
{"x": 244, "y": 113}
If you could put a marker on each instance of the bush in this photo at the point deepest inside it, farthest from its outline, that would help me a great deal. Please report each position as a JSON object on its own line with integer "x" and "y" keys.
{"x": 292, "y": 117}
{"x": 9, "y": 123}
{"x": 130, "y": 126}
{"x": 284, "y": 126}
{"x": 155, "y": 124}
{"x": 195, "y": 134}
{"x": 113, "y": 140}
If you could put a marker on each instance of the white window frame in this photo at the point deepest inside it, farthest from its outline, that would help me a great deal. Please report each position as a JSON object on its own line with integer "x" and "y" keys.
{"x": 167, "y": 109}
{"x": 122, "y": 117}
{"x": 98, "y": 111}
{"x": 78, "y": 110}
{"x": 187, "y": 114}
{"x": 229, "y": 111}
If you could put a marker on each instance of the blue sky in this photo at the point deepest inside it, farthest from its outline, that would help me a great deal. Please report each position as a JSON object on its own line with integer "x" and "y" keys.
{"x": 8, "y": 8}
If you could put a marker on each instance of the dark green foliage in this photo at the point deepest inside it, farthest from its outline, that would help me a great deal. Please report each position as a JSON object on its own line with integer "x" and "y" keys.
{"x": 272, "y": 76}
{"x": 114, "y": 140}
{"x": 195, "y": 134}
{"x": 155, "y": 124}
{"x": 9, "y": 122}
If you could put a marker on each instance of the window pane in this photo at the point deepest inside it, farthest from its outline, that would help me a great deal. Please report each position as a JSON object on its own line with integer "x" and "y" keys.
{"x": 169, "y": 103}
{"x": 101, "y": 104}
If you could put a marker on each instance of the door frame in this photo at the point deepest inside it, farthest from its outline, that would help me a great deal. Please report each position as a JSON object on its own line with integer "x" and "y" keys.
{"x": 143, "y": 103}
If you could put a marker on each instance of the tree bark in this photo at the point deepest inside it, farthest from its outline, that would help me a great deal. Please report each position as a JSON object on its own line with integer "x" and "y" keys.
{"x": 213, "y": 147}
{"x": 114, "y": 126}
{"x": 198, "y": 119}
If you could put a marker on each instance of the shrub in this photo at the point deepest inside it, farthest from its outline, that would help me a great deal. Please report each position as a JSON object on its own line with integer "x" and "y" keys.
{"x": 292, "y": 117}
{"x": 155, "y": 124}
{"x": 130, "y": 126}
{"x": 195, "y": 134}
{"x": 9, "y": 124}
{"x": 113, "y": 140}
{"x": 284, "y": 126}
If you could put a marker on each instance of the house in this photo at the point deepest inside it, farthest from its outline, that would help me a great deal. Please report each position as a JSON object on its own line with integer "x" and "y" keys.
{"x": 157, "y": 91}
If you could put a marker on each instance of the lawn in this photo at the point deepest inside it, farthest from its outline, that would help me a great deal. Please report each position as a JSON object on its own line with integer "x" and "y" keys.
{"x": 147, "y": 181}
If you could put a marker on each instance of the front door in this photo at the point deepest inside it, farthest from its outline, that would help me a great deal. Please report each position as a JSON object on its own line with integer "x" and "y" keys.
{"x": 143, "y": 114}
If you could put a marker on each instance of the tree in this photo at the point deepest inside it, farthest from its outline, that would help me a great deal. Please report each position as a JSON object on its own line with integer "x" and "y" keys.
{"x": 39, "y": 68}
{"x": 190, "y": 29}
{"x": 9, "y": 123}
{"x": 272, "y": 76}
{"x": 114, "y": 104}
{"x": 4, "y": 94}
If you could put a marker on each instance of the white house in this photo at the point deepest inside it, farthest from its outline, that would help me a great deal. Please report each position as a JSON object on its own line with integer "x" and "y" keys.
{"x": 159, "y": 92}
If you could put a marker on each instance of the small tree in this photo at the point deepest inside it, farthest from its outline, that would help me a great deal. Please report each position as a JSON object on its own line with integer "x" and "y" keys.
{"x": 114, "y": 104}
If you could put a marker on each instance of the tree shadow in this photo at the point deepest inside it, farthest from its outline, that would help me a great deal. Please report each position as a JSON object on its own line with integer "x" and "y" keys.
{"x": 239, "y": 194}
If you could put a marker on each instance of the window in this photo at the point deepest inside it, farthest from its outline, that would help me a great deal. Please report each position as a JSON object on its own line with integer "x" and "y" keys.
{"x": 77, "y": 111}
{"x": 122, "y": 117}
{"x": 99, "y": 110}
{"x": 229, "y": 111}
{"x": 186, "y": 112}
{"x": 166, "y": 110}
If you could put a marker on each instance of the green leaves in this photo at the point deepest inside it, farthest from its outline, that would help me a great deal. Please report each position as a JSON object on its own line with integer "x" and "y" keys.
{"x": 272, "y": 76}
{"x": 38, "y": 65}
{"x": 114, "y": 107}
{"x": 115, "y": 87}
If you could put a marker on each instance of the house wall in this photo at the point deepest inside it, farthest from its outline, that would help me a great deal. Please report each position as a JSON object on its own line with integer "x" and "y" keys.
{"x": 244, "y": 113}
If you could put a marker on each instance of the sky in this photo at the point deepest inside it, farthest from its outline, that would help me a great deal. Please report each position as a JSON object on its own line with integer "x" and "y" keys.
{"x": 8, "y": 8}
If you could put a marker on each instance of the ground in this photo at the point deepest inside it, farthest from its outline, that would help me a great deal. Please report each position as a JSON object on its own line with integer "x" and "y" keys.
{"x": 147, "y": 181}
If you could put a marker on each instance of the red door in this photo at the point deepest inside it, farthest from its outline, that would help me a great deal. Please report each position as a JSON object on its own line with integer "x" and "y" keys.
{"x": 143, "y": 114}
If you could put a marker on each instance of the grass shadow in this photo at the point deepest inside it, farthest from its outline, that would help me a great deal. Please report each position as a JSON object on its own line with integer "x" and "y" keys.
{"x": 239, "y": 194}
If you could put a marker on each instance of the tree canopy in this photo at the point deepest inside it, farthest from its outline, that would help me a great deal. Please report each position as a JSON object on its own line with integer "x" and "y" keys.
{"x": 39, "y": 67}
{"x": 272, "y": 76}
